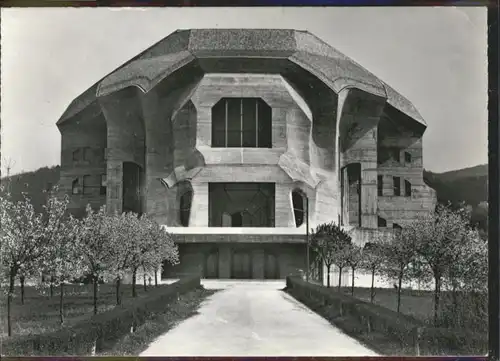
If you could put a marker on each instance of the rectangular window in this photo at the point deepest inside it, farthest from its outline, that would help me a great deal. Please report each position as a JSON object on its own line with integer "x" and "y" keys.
{"x": 380, "y": 185}
{"x": 241, "y": 123}
{"x": 397, "y": 186}
{"x": 87, "y": 188}
{"x": 407, "y": 189}
{"x": 407, "y": 158}
{"x": 76, "y": 155}
{"x": 382, "y": 222}
{"x": 103, "y": 184}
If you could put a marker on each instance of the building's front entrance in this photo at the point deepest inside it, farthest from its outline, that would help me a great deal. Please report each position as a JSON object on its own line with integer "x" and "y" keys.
{"x": 211, "y": 269}
{"x": 241, "y": 264}
{"x": 271, "y": 266}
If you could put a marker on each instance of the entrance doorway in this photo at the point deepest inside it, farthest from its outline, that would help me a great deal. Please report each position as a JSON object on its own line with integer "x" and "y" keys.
{"x": 241, "y": 265}
{"x": 212, "y": 264}
{"x": 271, "y": 270}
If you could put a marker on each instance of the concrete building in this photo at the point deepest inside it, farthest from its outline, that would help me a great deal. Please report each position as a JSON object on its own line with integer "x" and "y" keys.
{"x": 225, "y": 137}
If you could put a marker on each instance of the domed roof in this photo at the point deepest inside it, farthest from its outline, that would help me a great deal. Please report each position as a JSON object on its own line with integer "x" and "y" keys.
{"x": 183, "y": 47}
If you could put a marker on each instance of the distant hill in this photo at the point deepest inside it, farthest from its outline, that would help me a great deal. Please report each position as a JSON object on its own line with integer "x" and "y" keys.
{"x": 469, "y": 185}
{"x": 33, "y": 184}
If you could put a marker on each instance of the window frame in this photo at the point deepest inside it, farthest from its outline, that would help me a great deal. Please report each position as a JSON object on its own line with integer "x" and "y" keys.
{"x": 260, "y": 115}
{"x": 396, "y": 186}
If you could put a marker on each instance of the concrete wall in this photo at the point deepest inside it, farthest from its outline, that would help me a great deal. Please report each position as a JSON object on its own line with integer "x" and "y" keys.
{"x": 87, "y": 130}
{"x": 167, "y": 131}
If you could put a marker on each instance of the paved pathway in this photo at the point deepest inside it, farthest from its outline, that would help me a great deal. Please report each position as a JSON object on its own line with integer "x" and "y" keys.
{"x": 254, "y": 319}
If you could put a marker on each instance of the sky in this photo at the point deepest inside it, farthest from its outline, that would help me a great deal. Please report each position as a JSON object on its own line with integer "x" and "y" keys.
{"x": 436, "y": 57}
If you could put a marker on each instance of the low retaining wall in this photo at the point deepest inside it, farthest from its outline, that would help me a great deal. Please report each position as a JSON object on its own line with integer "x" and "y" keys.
{"x": 357, "y": 317}
{"x": 101, "y": 331}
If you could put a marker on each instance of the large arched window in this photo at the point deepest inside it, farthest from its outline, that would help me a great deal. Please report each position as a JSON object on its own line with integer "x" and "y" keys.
{"x": 185, "y": 208}
{"x": 241, "y": 123}
{"x": 299, "y": 210}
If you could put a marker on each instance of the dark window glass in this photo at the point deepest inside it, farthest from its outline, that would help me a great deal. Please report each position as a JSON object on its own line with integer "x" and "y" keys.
{"x": 407, "y": 157}
{"x": 396, "y": 226}
{"x": 185, "y": 208}
{"x": 234, "y": 123}
{"x": 407, "y": 189}
{"x": 242, "y": 122}
{"x": 219, "y": 124}
{"x": 249, "y": 123}
{"x": 298, "y": 207}
{"x": 380, "y": 185}
{"x": 382, "y": 222}
{"x": 397, "y": 186}
{"x": 237, "y": 219}
{"x": 265, "y": 125}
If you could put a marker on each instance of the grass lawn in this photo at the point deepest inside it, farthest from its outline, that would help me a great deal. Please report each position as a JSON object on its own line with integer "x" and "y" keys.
{"x": 186, "y": 306}
{"x": 40, "y": 312}
{"x": 419, "y": 304}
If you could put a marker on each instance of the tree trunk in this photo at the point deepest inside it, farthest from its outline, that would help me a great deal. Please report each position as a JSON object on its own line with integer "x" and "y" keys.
{"x": 51, "y": 286}
{"x": 22, "y": 279}
{"x": 340, "y": 278}
{"x": 437, "y": 291}
{"x": 96, "y": 284}
{"x": 144, "y": 280}
{"x": 61, "y": 304}
{"x": 156, "y": 278}
{"x": 118, "y": 298}
{"x": 9, "y": 302}
{"x": 400, "y": 281}
{"x": 134, "y": 280}
{"x": 372, "y": 290}
{"x": 352, "y": 285}
{"x": 328, "y": 275}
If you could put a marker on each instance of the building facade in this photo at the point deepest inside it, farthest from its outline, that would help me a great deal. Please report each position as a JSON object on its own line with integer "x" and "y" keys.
{"x": 232, "y": 138}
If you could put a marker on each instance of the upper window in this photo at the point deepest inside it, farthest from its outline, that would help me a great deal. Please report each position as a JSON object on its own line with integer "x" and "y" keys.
{"x": 397, "y": 186}
{"x": 407, "y": 189}
{"x": 241, "y": 123}
{"x": 298, "y": 207}
{"x": 407, "y": 158}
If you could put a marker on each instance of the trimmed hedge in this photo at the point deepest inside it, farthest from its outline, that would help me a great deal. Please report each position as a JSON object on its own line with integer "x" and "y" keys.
{"x": 101, "y": 331}
{"x": 357, "y": 317}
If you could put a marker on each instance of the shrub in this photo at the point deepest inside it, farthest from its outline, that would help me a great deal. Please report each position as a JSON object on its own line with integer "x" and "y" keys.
{"x": 357, "y": 317}
{"x": 102, "y": 330}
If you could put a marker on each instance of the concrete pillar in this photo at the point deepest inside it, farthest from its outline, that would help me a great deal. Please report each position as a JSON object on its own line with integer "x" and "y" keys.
{"x": 199, "y": 205}
{"x": 283, "y": 207}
